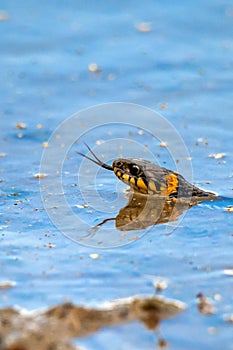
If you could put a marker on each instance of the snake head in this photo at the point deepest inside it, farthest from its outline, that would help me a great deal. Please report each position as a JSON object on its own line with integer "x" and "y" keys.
{"x": 132, "y": 174}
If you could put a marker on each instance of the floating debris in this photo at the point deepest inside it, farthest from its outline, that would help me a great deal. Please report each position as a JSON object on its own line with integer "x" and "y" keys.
{"x": 163, "y": 106}
{"x": 201, "y": 140}
{"x": 94, "y": 256}
{"x": 53, "y": 328}
{"x": 21, "y": 126}
{"x": 50, "y": 245}
{"x": 205, "y": 305}
{"x": 7, "y": 284}
{"x": 94, "y": 68}
{"x": 217, "y": 297}
{"x": 228, "y": 318}
{"x": 140, "y": 132}
{"x": 229, "y": 208}
{"x": 162, "y": 344}
{"x": 217, "y": 155}
{"x": 228, "y": 272}
{"x": 40, "y": 176}
{"x": 15, "y": 194}
{"x": 45, "y": 144}
{"x": 99, "y": 142}
{"x": 163, "y": 144}
{"x": 144, "y": 27}
{"x": 160, "y": 284}
{"x": 81, "y": 206}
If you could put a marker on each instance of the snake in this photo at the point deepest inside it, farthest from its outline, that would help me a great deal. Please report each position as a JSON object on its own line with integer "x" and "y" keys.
{"x": 147, "y": 178}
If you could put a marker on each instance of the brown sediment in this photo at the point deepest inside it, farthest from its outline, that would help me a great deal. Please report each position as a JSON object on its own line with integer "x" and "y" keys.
{"x": 53, "y": 328}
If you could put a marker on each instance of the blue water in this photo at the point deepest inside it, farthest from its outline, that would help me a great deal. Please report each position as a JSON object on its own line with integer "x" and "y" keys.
{"x": 182, "y": 68}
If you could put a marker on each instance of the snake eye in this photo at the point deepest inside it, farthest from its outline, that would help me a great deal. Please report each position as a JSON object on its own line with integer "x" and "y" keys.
{"x": 135, "y": 170}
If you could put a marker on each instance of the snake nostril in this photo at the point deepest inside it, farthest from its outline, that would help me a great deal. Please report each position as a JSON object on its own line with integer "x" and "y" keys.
{"x": 118, "y": 163}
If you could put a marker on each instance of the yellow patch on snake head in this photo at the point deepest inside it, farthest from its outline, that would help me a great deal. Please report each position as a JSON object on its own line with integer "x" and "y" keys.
{"x": 132, "y": 181}
{"x": 118, "y": 174}
{"x": 141, "y": 184}
{"x": 125, "y": 178}
{"x": 172, "y": 184}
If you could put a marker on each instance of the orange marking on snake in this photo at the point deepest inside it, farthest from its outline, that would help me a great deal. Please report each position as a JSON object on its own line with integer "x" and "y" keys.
{"x": 172, "y": 183}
